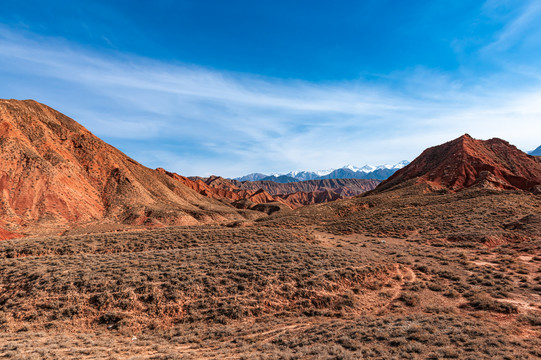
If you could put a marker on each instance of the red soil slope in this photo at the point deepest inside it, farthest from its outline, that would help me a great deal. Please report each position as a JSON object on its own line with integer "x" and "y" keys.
{"x": 6, "y": 235}
{"x": 55, "y": 173}
{"x": 467, "y": 162}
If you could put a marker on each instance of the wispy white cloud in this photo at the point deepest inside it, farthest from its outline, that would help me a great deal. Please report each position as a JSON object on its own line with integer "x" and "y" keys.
{"x": 521, "y": 27}
{"x": 198, "y": 121}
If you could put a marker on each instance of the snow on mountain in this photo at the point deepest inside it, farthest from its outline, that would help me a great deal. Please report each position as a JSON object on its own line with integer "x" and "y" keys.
{"x": 368, "y": 168}
{"x": 351, "y": 167}
{"x": 348, "y": 171}
{"x": 323, "y": 172}
{"x": 402, "y": 164}
{"x": 371, "y": 168}
{"x": 302, "y": 175}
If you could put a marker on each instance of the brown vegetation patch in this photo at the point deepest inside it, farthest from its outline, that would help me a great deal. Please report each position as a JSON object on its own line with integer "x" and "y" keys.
{"x": 470, "y": 216}
{"x": 168, "y": 276}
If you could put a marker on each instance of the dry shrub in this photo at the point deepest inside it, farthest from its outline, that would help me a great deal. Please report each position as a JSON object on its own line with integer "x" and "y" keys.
{"x": 484, "y": 302}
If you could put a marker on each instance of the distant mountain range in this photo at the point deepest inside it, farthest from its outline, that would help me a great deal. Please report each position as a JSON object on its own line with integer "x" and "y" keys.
{"x": 536, "y": 152}
{"x": 380, "y": 172}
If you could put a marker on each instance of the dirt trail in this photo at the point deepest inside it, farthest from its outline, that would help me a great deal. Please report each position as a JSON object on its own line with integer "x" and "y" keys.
{"x": 359, "y": 243}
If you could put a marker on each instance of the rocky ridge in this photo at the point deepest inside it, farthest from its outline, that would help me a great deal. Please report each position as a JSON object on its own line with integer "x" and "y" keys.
{"x": 342, "y": 187}
{"x": 467, "y": 162}
{"x": 293, "y": 194}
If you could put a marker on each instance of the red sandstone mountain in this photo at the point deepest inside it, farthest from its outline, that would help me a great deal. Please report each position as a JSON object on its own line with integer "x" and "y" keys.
{"x": 220, "y": 182}
{"x": 293, "y": 195}
{"x": 467, "y": 162}
{"x": 54, "y": 173}
{"x": 300, "y": 198}
{"x": 219, "y": 188}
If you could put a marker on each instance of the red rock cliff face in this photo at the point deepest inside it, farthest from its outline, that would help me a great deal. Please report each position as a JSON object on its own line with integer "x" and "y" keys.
{"x": 466, "y": 162}
{"x": 55, "y": 172}
{"x": 219, "y": 188}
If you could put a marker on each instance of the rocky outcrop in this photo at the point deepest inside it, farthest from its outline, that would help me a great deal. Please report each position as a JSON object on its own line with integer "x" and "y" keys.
{"x": 466, "y": 162}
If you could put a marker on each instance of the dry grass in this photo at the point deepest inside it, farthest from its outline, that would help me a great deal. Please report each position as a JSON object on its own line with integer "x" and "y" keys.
{"x": 468, "y": 216}
{"x": 167, "y": 277}
{"x": 318, "y": 291}
{"x": 412, "y": 336}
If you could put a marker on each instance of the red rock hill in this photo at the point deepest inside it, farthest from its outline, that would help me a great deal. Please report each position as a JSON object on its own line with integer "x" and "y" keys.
{"x": 292, "y": 195}
{"x": 54, "y": 173}
{"x": 466, "y": 162}
{"x": 301, "y": 198}
{"x": 219, "y": 188}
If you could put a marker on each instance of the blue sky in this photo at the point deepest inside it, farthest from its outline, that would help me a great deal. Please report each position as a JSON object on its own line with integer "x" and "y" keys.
{"x": 232, "y": 87}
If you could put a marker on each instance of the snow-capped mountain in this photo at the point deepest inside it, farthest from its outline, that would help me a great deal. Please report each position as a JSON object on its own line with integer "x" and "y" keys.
{"x": 324, "y": 172}
{"x": 380, "y": 172}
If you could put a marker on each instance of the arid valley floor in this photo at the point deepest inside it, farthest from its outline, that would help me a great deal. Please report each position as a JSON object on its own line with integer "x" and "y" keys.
{"x": 401, "y": 283}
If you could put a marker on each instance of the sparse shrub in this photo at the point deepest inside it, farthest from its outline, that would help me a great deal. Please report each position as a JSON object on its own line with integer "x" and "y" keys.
{"x": 415, "y": 286}
{"x": 410, "y": 299}
{"x": 4, "y": 320}
{"x": 434, "y": 286}
{"x": 111, "y": 318}
{"x": 71, "y": 311}
{"x": 533, "y": 318}
{"x": 249, "y": 292}
{"x": 485, "y": 302}
{"x": 451, "y": 293}
{"x": 438, "y": 309}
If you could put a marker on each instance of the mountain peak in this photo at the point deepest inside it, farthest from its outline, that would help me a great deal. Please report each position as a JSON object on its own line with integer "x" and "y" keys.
{"x": 466, "y": 162}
